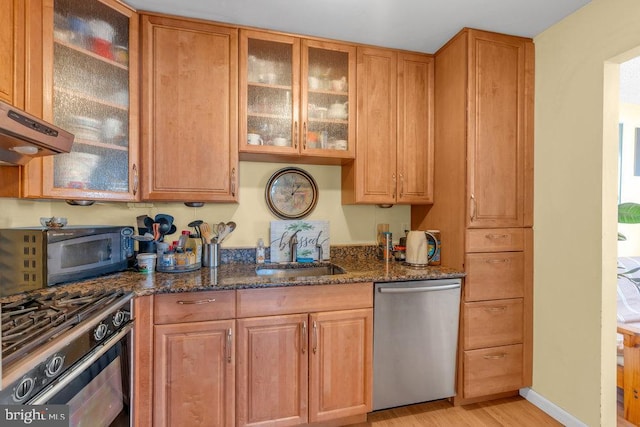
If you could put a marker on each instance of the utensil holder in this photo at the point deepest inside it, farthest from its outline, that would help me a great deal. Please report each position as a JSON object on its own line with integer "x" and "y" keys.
{"x": 211, "y": 255}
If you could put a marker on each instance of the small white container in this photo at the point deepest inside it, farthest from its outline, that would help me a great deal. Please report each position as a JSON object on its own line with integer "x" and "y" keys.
{"x": 260, "y": 251}
{"x": 146, "y": 263}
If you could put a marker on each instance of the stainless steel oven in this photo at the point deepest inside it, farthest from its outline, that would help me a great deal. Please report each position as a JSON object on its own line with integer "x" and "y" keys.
{"x": 82, "y": 360}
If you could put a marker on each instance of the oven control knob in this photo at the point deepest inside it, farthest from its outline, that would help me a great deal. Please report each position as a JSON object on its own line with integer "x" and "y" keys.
{"x": 23, "y": 389}
{"x": 54, "y": 366}
{"x": 100, "y": 332}
{"x": 118, "y": 318}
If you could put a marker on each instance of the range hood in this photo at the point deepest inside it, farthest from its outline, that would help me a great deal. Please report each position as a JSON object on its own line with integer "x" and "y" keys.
{"x": 23, "y": 137}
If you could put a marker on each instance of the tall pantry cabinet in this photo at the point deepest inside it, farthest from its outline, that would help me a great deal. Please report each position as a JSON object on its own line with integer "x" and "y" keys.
{"x": 483, "y": 203}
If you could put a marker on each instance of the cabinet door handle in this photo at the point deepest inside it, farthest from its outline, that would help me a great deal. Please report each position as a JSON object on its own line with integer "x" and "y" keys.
{"x": 295, "y": 133}
{"x": 229, "y": 343}
{"x": 136, "y": 180}
{"x": 233, "y": 182}
{"x": 198, "y": 301}
{"x": 395, "y": 186}
{"x": 315, "y": 337}
{"x": 496, "y": 309}
{"x": 401, "y": 185}
{"x": 497, "y": 261}
{"x": 472, "y": 207}
{"x": 496, "y": 236}
{"x": 495, "y": 356}
{"x": 304, "y": 337}
{"x": 304, "y": 135}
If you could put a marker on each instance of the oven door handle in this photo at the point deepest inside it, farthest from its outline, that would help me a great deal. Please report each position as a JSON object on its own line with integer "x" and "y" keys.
{"x": 75, "y": 370}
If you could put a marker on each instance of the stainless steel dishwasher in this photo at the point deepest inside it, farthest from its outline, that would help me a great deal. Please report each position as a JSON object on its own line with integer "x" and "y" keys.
{"x": 415, "y": 337}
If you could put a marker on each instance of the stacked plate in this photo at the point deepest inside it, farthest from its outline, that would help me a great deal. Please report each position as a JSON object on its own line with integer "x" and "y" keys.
{"x": 86, "y": 128}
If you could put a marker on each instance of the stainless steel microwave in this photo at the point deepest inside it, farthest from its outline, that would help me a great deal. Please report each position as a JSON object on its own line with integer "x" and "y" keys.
{"x": 33, "y": 258}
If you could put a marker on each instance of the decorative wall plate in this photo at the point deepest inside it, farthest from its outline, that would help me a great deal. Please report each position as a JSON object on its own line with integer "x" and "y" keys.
{"x": 291, "y": 193}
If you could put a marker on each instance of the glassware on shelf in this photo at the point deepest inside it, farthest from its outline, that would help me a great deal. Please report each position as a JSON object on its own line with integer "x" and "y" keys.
{"x": 91, "y": 95}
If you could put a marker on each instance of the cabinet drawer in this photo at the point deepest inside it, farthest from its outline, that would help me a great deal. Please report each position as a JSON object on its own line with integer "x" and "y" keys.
{"x": 492, "y": 323}
{"x": 194, "y": 306}
{"x": 494, "y": 276}
{"x": 304, "y": 299}
{"x": 495, "y": 240}
{"x": 493, "y": 370}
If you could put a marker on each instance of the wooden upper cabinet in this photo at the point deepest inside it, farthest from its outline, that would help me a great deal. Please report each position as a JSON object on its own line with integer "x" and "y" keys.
{"x": 189, "y": 110}
{"x": 415, "y": 129}
{"x": 12, "y": 49}
{"x": 394, "y": 162}
{"x": 500, "y": 130}
{"x": 83, "y": 77}
{"x": 372, "y": 176}
{"x": 12, "y": 16}
{"x": 295, "y": 98}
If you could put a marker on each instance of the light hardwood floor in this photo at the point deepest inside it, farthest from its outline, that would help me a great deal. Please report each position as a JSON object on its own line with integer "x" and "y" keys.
{"x": 513, "y": 411}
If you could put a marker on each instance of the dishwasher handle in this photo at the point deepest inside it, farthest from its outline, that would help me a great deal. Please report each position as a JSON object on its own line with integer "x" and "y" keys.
{"x": 406, "y": 290}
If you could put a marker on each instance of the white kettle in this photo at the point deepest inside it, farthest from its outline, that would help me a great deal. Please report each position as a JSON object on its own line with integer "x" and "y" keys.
{"x": 418, "y": 251}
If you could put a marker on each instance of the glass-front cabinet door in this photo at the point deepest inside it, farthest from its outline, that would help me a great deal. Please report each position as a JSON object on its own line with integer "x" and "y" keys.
{"x": 93, "y": 80}
{"x": 269, "y": 100}
{"x": 294, "y": 98}
{"x": 328, "y": 83}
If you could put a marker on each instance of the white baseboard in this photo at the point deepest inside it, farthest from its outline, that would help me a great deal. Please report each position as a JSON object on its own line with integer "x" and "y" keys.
{"x": 551, "y": 409}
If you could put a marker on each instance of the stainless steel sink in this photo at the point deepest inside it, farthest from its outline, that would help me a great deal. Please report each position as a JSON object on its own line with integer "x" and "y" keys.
{"x": 299, "y": 270}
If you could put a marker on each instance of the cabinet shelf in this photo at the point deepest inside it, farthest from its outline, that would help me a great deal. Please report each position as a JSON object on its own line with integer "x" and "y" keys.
{"x": 90, "y": 98}
{"x": 100, "y": 144}
{"x": 328, "y": 92}
{"x": 91, "y": 54}
{"x": 270, "y": 116}
{"x": 330, "y": 121}
{"x": 269, "y": 86}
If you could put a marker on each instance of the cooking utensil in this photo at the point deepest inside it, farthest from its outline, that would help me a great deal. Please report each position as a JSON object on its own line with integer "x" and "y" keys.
{"x": 148, "y": 222}
{"x": 169, "y": 218}
{"x": 220, "y": 228}
{"x": 147, "y": 237}
{"x": 196, "y": 226}
{"x": 205, "y": 231}
{"x": 156, "y": 231}
{"x": 228, "y": 228}
{"x": 165, "y": 225}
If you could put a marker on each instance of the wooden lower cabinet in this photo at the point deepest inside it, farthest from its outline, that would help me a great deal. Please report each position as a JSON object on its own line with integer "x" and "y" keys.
{"x": 304, "y": 368}
{"x": 496, "y": 333}
{"x": 194, "y": 374}
{"x": 340, "y": 376}
{"x": 298, "y": 369}
{"x": 184, "y": 364}
{"x": 493, "y": 370}
{"x": 254, "y": 357}
{"x": 272, "y": 366}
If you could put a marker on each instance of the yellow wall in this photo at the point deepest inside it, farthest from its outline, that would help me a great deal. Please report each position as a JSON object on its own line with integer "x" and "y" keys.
{"x": 348, "y": 224}
{"x": 575, "y": 206}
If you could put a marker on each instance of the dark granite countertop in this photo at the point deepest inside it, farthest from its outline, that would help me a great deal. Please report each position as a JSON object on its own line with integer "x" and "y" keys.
{"x": 243, "y": 276}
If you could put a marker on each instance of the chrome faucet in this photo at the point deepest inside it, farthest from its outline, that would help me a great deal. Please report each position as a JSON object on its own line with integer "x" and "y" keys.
{"x": 319, "y": 247}
{"x": 293, "y": 247}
